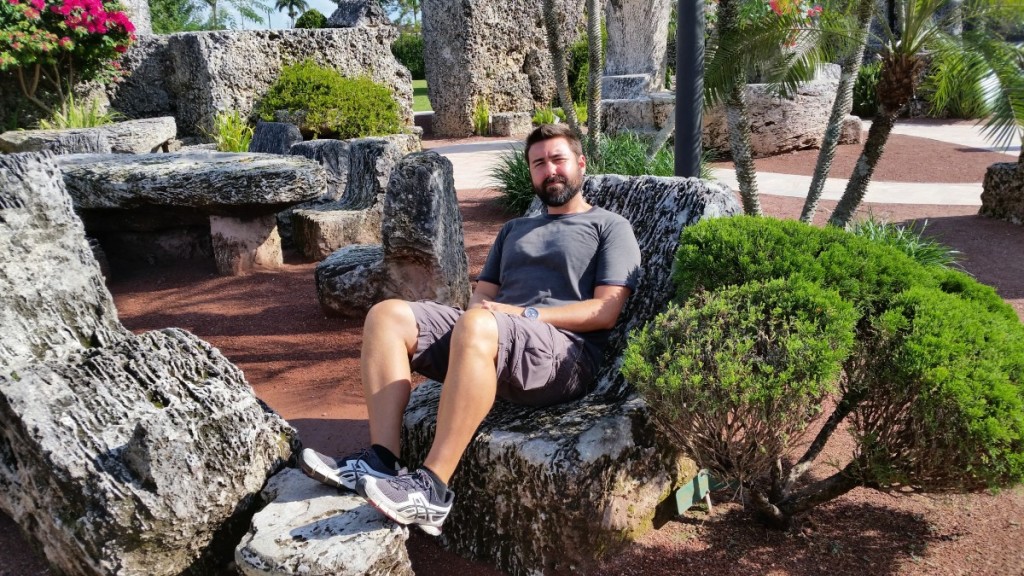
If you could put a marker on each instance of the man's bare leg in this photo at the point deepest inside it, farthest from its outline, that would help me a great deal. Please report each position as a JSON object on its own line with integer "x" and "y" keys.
{"x": 389, "y": 341}
{"x": 468, "y": 392}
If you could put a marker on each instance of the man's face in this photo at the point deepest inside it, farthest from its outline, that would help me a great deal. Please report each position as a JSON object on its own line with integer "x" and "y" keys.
{"x": 556, "y": 173}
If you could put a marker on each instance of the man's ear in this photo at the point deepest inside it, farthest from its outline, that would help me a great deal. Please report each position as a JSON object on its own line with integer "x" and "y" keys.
{"x": 582, "y": 163}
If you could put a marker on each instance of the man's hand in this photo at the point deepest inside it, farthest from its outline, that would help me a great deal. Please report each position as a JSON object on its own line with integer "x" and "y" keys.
{"x": 598, "y": 313}
{"x": 499, "y": 307}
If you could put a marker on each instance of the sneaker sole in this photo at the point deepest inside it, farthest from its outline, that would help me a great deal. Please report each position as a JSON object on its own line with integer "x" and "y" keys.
{"x": 311, "y": 471}
{"x": 429, "y": 530}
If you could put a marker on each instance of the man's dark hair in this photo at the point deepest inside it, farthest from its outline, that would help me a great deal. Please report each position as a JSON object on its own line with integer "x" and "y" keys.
{"x": 549, "y": 131}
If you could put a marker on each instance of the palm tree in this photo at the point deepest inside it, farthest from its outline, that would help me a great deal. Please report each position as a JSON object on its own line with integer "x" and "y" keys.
{"x": 293, "y": 7}
{"x": 903, "y": 60}
{"x": 849, "y": 64}
{"x": 744, "y": 46}
{"x": 594, "y": 79}
{"x": 557, "y": 50}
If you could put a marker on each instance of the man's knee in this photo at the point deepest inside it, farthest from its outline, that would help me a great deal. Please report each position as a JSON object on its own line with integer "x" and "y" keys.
{"x": 392, "y": 316}
{"x": 477, "y": 328}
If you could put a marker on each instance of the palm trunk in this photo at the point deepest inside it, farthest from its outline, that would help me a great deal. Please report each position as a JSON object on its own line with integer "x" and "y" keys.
{"x": 737, "y": 118}
{"x": 841, "y": 107}
{"x": 557, "y": 51}
{"x": 739, "y": 145}
{"x": 857, "y": 186}
{"x": 594, "y": 80}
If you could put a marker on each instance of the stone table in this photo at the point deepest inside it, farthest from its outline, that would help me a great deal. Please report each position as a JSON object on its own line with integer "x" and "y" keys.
{"x": 239, "y": 194}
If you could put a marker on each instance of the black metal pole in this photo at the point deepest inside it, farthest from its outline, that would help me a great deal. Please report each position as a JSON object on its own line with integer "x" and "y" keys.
{"x": 689, "y": 86}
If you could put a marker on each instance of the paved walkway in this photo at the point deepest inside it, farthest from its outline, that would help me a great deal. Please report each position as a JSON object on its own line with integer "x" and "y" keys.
{"x": 474, "y": 161}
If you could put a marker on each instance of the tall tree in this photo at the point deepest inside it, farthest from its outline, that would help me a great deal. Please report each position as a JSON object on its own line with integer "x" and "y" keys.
{"x": 595, "y": 65}
{"x": 220, "y": 19}
{"x": 852, "y": 55}
{"x": 293, "y": 8}
{"x": 919, "y": 31}
{"x": 169, "y": 16}
{"x": 405, "y": 13}
{"x": 556, "y": 48}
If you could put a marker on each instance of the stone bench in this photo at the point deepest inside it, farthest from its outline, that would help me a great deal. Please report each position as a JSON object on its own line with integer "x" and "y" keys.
{"x": 120, "y": 453}
{"x": 128, "y": 137}
{"x": 1002, "y": 195}
{"x": 421, "y": 255}
{"x": 350, "y": 210}
{"x": 229, "y": 200}
{"x": 550, "y": 490}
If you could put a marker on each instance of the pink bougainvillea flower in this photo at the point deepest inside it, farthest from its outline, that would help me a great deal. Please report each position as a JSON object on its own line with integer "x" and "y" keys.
{"x": 39, "y": 4}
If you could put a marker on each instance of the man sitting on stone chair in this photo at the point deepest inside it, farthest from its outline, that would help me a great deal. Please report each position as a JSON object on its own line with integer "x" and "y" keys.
{"x": 549, "y": 293}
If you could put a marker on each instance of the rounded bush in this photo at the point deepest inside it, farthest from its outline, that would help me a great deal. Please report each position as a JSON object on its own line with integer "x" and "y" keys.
{"x": 947, "y": 411}
{"x": 311, "y": 18}
{"x": 331, "y": 105}
{"x": 727, "y": 251}
{"x": 408, "y": 49}
{"x": 746, "y": 364}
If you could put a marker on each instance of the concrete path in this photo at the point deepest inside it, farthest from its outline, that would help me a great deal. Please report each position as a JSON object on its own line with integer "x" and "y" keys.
{"x": 473, "y": 163}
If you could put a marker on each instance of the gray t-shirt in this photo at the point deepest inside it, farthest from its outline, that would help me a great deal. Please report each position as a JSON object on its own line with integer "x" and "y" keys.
{"x": 550, "y": 260}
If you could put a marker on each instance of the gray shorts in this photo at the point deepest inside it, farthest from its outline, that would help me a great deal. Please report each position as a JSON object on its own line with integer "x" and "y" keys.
{"x": 538, "y": 364}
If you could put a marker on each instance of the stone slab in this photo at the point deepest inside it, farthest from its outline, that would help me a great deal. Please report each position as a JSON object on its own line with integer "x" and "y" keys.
{"x": 128, "y": 137}
{"x": 308, "y": 529}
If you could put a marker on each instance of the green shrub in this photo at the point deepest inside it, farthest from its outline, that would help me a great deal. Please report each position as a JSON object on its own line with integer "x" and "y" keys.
{"x": 932, "y": 389}
{"x": 957, "y": 377}
{"x": 746, "y": 366}
{"x": 907, "y": 239}
{"x": 331, "y": 104}
{"x": 626, "y": 154}
{"x": 231, "y": 132}
{"x": 73, "y": 114}
{"x": 311, "y": 18}
{"x": 408, "y": 49}
{"x": 481, "y": 118}
{"x": 865, "y": 90}
{"x": 511, "y": 176}
{"x": 543, "y": 116}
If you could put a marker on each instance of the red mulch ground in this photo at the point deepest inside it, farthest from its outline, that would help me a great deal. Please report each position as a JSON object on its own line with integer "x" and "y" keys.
{"x": 305, "y": 366}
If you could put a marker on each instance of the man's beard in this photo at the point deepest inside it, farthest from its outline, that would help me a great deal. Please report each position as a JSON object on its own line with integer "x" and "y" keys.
{"x": 558, "y": 190}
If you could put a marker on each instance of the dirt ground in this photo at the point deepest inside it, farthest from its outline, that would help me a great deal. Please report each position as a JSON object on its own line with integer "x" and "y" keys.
{"x": 305, "y": 366}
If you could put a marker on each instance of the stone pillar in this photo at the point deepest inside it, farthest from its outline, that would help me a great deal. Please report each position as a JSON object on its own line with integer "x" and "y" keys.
{"x": 492, "y": 51}
{"x": 637, "y": 36}
{"x": 240, "y": 244}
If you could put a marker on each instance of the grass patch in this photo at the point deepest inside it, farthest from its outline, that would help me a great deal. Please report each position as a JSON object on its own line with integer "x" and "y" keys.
{"x": 420, "y": 102}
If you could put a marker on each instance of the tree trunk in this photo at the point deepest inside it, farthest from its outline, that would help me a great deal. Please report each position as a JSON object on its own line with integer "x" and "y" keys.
{"x": 857, "y": 186}
{"x": 841, "y": 107}
{"x": 736, "y": 116}
{"x": 847, "y": 403}
{"x": 820, "y": 492}
{"x": 739, "y": 145}
{"x": 557, "y": 51}
{"x": 594, "y": 79}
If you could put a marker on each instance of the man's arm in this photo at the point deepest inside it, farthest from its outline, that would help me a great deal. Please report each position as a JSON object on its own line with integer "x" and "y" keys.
{"x": 598, "y": 313}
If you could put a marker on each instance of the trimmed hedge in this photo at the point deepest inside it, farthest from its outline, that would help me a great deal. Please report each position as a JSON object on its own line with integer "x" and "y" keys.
{"x": 331, "y": 105}
{"x": 931, "y": 364}
{"x": 774, "y": 349}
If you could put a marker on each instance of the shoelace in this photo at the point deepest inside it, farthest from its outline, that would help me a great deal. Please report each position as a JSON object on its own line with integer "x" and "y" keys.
{"x": 417, "y": 481}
